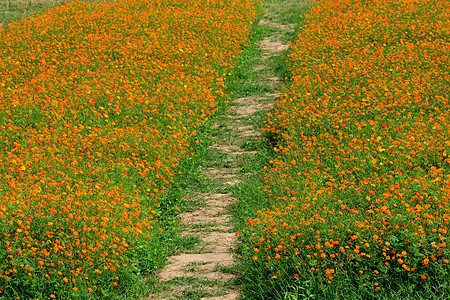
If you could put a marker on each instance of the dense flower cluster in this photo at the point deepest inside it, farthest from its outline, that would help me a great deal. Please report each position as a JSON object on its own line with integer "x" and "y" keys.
{"x": 360, "y": 185}
{"x": 99, "y": 103}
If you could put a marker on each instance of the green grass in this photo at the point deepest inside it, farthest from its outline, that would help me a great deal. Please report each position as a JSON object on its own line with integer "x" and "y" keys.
{"x": 197, "y": 288}
{"x": 13, "y": 10}
{"x": 246, "y": 81}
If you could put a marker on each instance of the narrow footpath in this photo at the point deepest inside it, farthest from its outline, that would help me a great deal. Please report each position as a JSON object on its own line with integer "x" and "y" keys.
{"x": 209, "y": 270}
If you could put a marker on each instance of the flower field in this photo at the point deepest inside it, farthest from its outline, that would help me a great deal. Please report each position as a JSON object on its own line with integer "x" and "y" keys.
{"x": 99, "y": 104}
{"x": 357, "y": 195}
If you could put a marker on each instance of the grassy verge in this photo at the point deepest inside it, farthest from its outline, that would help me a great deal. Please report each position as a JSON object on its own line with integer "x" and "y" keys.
{"x": 350, "y": 200}
{"x": 12, "y": 10}
{"x": 246, "y": 81}
{"x": 15, "y": 10}
{"x": 101, "y": 103}
{"x": 188, "y": 179}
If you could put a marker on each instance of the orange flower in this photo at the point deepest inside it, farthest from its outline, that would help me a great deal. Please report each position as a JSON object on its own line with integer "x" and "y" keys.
{"x": 329, "y": 271}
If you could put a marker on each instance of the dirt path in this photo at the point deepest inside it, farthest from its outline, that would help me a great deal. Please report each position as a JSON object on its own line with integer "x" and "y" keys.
{"x": 209, "y": 271}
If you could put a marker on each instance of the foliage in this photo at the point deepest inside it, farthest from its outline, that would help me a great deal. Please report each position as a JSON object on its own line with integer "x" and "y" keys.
{"x": 357, "y": 195}
{"x": 99, "y": 104}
